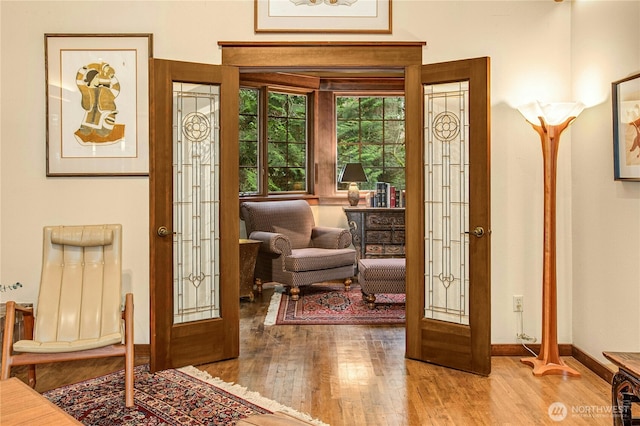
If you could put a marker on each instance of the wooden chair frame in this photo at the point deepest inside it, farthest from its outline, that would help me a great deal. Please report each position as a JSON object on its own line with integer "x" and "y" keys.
{"x": 10, "y": 359}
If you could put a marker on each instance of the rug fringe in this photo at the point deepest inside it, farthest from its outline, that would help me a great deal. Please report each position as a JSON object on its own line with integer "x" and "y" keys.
{"x": 274, "y": 306}
{"x": 251, "y": 396}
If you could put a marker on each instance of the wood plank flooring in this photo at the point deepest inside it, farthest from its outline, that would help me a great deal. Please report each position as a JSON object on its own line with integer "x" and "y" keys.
{"x": 357, "y": 375}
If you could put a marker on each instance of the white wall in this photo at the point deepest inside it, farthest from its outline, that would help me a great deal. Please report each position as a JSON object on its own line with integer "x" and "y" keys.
{"x": 517, "y": 35}
{"x": 606, "y": 213}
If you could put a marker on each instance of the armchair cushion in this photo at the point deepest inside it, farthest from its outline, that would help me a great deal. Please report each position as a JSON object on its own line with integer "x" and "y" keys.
{"x": 314, "y": 259}
{"x": 81, "y": 236}
{"x": 34, "y": 346}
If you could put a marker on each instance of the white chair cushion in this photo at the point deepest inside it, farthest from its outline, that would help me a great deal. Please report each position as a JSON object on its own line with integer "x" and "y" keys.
{"x": 57, "y": 347}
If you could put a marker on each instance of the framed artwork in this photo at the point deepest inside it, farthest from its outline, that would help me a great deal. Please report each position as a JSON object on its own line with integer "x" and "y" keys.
{"x": 323, "y": 16}
{"x": 626, "y": 128}
{"x": 97, "y": 90}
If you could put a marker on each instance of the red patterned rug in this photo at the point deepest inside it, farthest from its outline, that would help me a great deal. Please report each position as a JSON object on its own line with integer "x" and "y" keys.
{"x": 186, "y": 396}
{"x": 329, "y": 303}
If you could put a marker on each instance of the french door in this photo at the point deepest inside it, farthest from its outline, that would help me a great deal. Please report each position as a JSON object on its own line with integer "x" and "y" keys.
{"x": 194, "y": 224}
{"x": 448, "y": 213}
{"x": 194, "y": 247}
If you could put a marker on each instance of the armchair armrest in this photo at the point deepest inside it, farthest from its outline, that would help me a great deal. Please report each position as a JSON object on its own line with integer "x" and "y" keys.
{"x": 330, "y": 238}
{"x": 272, "y": 242}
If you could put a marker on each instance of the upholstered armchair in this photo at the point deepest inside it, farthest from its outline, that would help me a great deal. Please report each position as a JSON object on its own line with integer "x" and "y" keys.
{"x": 293, "y": 251}
{"x": 79, "y": 310}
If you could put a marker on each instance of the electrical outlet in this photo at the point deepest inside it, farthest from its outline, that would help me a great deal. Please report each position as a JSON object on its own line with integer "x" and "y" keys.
{"x": 518, "y": 303}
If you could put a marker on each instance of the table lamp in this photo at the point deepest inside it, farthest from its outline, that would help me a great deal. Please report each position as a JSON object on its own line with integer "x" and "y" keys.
{"x": 353, "y": 173}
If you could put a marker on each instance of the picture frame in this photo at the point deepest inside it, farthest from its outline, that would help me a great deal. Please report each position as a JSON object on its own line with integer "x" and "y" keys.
{"x": 323, "y": 16}
{"x": 97, "y": 104}
{"x": 625, "y": 98}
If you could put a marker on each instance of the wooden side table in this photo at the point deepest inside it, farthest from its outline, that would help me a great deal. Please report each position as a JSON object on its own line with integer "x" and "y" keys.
{"x": 19, "y": 404}
{"x": 625, "y": 387}
{"x": 248, "y": 255}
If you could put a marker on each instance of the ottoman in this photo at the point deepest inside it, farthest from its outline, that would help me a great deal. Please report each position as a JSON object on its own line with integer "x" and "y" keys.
{"x": 380, "y": 276}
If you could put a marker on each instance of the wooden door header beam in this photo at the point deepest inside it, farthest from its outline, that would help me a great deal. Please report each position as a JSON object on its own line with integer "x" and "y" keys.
{"x": 321, "y": 54}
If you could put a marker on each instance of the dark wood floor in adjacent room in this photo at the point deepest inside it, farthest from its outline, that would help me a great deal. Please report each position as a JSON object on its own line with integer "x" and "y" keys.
{"x": 357, "y": 375}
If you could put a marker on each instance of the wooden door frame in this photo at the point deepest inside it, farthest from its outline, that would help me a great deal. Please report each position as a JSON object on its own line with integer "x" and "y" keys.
{"x": 291, "y": 56}
{"x": 304, "y": 55}
{"x": 379, "y": 65}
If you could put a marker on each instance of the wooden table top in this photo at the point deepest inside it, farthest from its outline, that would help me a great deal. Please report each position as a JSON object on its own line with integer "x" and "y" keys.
{"x": 629, "y": 361}
{"x": 21, "y": 405}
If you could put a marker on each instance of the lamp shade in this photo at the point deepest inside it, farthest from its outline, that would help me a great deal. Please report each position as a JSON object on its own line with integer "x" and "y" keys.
{"x": 353, "y": 172}
{"x": 552, "y": 113}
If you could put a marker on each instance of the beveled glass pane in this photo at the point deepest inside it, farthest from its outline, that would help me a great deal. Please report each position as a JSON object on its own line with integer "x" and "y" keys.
{"x": 446, "y": 201}
{"x": 196, "y": 202}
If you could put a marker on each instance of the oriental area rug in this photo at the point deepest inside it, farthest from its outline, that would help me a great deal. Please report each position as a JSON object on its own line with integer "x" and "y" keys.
{"x": 329, "y": 303}
{"x": 185, "y": 396}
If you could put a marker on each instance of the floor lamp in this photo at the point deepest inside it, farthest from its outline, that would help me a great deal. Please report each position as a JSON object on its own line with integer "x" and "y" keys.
{"x": 550, "y": 120}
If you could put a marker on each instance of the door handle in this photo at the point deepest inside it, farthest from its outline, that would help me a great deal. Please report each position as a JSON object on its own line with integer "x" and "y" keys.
{"x": 162, "y": 231}
{"x": 478, "y": 231}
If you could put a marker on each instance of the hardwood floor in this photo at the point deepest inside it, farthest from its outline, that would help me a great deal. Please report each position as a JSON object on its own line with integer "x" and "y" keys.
{"x": 357, "y": 375}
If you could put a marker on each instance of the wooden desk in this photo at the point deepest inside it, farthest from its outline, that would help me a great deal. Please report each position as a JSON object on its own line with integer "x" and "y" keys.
{"x": 21, "y": 405}
{"x": 625, "y": 387}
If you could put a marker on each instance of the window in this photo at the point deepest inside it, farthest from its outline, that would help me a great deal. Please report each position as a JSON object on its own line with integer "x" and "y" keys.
{"x": 282, "y": 152}
{"x": 370, "y": 130}
{"x": 249, "y": 148}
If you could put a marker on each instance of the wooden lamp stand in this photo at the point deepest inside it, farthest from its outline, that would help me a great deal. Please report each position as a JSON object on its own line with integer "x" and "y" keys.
{"x": 548, "y": 361}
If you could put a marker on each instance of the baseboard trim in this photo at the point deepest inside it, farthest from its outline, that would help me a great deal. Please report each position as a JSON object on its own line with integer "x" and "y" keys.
{"x": 142, "y": 353}
{"x": 592, "y": 364}
{"x": 566, "y": 349}
{"x": 515, "y": 349}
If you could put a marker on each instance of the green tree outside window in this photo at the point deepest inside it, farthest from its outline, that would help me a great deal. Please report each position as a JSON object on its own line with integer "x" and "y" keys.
{"x": 370, "y": 130}
{"x": 286, "y": 145}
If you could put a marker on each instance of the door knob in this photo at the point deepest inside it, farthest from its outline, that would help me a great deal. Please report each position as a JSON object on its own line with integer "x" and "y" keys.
{"x": 478, "y": 231}
{"x": 163, "y": 231}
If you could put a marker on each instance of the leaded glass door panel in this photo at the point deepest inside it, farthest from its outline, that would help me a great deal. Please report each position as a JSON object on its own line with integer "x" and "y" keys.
{"x": 448, "y": 206}
{"x": 194, "y": 220}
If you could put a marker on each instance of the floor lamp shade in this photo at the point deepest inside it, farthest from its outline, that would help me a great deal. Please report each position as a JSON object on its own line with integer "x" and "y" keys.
{"x": 549, "y": 121}
{"x": 352, "y": 174}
